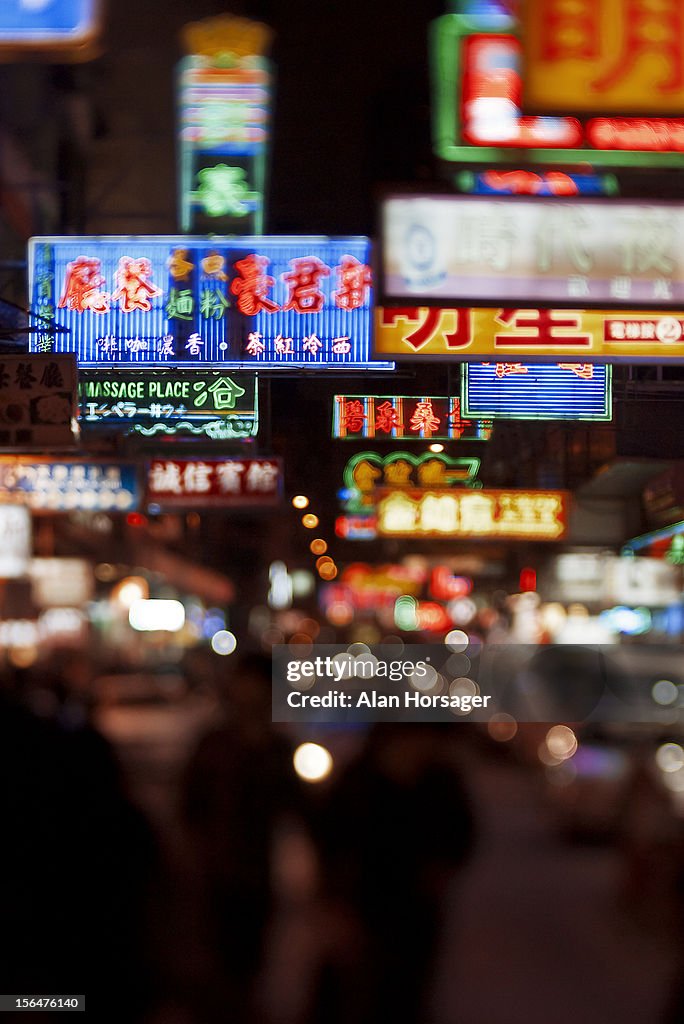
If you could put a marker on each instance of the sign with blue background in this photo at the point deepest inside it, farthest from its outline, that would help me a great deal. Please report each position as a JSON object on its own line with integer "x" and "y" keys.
{"x": 261, "y": 302}
{"x": 533, "y": 391}
{"x": 49, "y": 21}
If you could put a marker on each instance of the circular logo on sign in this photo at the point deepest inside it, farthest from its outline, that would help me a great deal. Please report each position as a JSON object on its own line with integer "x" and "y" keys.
{"x": 668, "y": 330}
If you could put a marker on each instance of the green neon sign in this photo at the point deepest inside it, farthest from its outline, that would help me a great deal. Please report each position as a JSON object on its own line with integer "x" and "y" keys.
{"x": 448, "y": 35}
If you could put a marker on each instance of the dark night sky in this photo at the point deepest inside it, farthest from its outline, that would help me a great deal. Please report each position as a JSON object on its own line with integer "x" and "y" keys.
{"x": 352, "y": 100}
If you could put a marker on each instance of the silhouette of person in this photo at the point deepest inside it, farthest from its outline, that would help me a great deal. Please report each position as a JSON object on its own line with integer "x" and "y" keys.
{"x": 396, "y": 826}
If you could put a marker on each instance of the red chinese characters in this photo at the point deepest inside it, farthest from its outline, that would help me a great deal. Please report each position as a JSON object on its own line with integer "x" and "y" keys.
{"x": 546, "y": 327}
{"x": 355, "y": 281}
{"x": 430, "y": 325}
{"x": 83, "y": 287}
{"x": 134, "y": 289}
{"x": 252, "y": 285}
{"x": 303, "y": 282}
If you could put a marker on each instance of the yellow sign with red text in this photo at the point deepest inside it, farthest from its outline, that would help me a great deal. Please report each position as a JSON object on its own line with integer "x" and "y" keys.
{"x": 604, "y": 336}
{"x": 603, "y": 56}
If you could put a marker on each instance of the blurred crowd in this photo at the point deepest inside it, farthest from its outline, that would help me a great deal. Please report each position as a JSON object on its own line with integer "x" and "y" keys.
{"x": 264, "y": 898}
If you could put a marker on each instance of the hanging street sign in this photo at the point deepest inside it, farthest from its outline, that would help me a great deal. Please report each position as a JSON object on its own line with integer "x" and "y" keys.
{"x": 38, "y": 402}
{"x": 404, "y": 418}
{"x": 128, "y": 398}
{"x": 537, "y": 391}
{"x": 184, "y": 302}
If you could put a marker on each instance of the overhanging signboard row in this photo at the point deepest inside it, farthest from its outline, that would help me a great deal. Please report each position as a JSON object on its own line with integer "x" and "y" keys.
{"x": 273, "y": 303}
{"x": 466, "y": 250}
{"x": 107, "y": 486}
{"x": 546, "y": 335}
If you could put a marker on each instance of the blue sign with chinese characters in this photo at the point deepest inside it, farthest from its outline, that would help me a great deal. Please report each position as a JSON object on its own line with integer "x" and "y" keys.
{"x": 229, "y": 303}
{"x": 533, "y": 391}
{"x": 49, "y": 486}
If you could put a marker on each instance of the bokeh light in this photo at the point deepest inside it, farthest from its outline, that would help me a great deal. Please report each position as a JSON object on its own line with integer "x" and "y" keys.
{"x": 223, "y": 642}
{"x": 300, "y": 501}
{"x": 312, "y": 762}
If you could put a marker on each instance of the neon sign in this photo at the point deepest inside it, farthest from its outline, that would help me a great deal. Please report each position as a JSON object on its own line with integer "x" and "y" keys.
{"x": 49, "y": 486}
{"x": 479, "y": 90}
{"x": 531, "y": 391}
{"x": 367, "y": 471}
{"x": 535, "y": 183}
{"x": 153, "y": 398}
{"x": 216, "y": 483}
{"x": 531, "y": 251}
{"x": 404, "y": 418}
{"x": 521, "y": 515}
{"x": 467, "y": 335}
{"x": 615, "y": 56}
{"x": 284, "y": 302}
{"x": 224, "y": 110}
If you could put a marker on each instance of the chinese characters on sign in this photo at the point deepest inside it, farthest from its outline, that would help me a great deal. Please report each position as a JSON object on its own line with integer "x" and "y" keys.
{"x": 216, "y": 483}
{"x": 614, "y": 56}
{"x": 190, "y": 302}
{"x": 466, "y": 249}
{"x": 467, "y": 335}
{"x": 48, "y": 486}
{"x": 524, "y": 515}
{"x": 224, "y": 110}
{"x": 38, "y": 402}
{"x": 589, "y": 62}
{"x": 530, "y": 391}
{"x": 129, "y": 397}
{"x": 367, "y": 474}
{"x": 404, "y": 417}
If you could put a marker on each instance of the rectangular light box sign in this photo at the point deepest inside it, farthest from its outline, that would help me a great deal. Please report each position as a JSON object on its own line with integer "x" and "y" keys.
{"x": 48, "y": 24}
{"x": 404, "y": 418}
{"x": 125, "y": 397}
{"x": 537, "y": 391}
{"x": 512, "y": 515}
{"x": 15, "y": 541}
{"x": 214, "y": 483}
{"x": 607, "y": 56}
{"x": 38, "y": 402}
{"x": 230, "y": 303}
{"x": 466, "y": 335}
{"x": 65, "y": 485}
{"x": 469, "y": 250}
{"x": 486, "y": 105}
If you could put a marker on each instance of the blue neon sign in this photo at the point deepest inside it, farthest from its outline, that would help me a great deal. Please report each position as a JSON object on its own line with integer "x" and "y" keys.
{"x": 531, "y": 391}
{"x": 261, "y": 302}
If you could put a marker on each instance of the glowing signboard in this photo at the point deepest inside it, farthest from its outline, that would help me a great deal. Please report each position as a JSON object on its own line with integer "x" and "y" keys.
{"x": 609, "y": 56}
{"x": 585, "y": 252}
{"x": 367, "y": 471}
{"x": 280, "y": 303}
{"x": 514, "y": 515}
{"x": 224, "y": 110}
{"x": 535, "y": 183}
{"x": 214, "y": 483}
{"x": 467, "y": 335}
{"x": 480, "y": 112}
{"x": 132, "y": 397}
{"x": 404, "y": 418}
{"x": 38, "y": 402}
{"x": 68, "y": 27}
{"x": 533, "y": 391}
{"x": 15, "y": 541}
{"x": 48, "y": 485}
